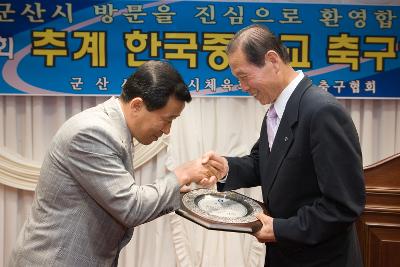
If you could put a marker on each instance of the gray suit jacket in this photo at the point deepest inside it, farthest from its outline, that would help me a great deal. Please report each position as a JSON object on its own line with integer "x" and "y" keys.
{"x": 86, "y": 201}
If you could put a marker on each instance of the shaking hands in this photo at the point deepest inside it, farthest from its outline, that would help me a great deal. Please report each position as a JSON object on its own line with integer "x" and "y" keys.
{"x": 205, "y": 171}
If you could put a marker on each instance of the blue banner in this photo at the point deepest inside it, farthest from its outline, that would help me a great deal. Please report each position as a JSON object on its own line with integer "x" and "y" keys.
{"x": 91, "y": 47}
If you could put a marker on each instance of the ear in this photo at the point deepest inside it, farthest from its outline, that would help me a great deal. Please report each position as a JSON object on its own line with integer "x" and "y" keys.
{"x": 271, "y": 56}
{"x": 136, "y": 104}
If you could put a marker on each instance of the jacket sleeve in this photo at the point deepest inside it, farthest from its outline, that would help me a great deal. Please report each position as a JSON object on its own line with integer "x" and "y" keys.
{"x": 243, "y": 171}
{"x": 336, "y": 156}
{"x": 95, "y": 160}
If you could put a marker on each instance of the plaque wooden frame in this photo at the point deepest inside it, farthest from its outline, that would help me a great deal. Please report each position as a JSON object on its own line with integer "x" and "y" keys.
{"x": 210, "y": 224}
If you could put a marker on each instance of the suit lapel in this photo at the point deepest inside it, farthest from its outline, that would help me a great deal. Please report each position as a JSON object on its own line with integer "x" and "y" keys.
{"x": 284, "y": 137}
{"x": 264, "y": 153}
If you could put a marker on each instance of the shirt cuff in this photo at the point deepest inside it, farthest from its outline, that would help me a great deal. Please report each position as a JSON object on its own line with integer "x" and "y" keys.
{"x": 223, "y": 179}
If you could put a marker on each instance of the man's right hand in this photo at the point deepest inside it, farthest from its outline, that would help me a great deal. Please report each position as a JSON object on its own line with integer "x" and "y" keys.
{"x": 197, "y": 172}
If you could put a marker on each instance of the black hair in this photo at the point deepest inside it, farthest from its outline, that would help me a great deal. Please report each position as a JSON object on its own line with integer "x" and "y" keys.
{"x": 155, "y": 82}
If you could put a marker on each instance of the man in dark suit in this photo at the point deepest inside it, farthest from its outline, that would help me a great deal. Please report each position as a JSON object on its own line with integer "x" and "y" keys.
{"x": 308, "y": 162}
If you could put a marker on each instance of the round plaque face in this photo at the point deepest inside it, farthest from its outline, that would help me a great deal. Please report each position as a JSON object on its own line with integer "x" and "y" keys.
{"x": 226, "y": 207}
{"x": 222, "y": 206}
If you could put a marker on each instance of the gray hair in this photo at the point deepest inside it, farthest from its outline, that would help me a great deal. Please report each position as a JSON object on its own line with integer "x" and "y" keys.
{"x": 256, "y": 40}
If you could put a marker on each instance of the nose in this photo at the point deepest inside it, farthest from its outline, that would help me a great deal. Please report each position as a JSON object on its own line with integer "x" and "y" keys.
{"x": 244, "y": 86}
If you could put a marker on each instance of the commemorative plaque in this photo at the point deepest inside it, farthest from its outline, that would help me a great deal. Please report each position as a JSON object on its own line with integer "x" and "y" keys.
{"x": 223, "y": 211}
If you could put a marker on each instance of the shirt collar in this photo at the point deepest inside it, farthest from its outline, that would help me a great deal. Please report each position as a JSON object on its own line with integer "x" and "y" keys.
{"x": 283, "y": 98}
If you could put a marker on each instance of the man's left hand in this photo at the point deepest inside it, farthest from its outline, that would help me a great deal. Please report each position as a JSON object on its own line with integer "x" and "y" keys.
{"x": 266, "y": 233}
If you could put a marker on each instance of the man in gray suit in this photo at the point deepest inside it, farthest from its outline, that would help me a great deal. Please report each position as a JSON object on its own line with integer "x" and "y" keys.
{"x": 87, "y": 202}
